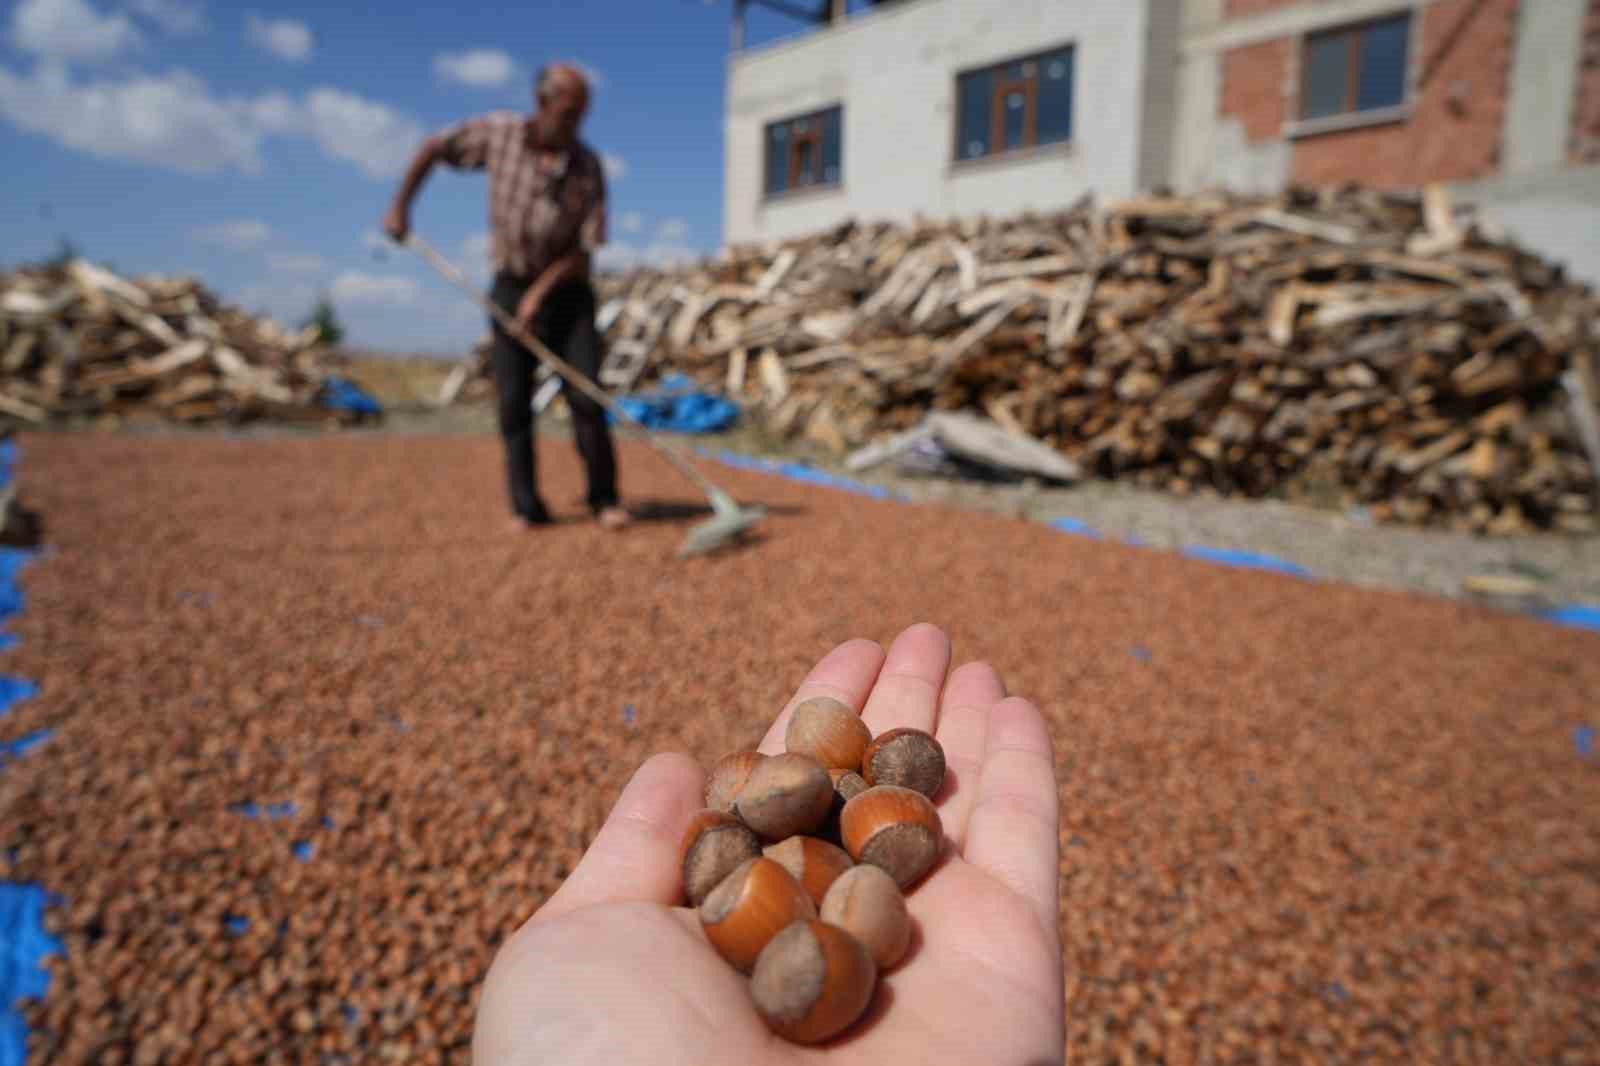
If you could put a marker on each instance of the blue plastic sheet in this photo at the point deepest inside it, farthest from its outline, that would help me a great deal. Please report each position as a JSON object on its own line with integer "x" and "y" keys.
{"x": 1072, "y": 525}
{"x": 801, "y": 472}
{"x": 1578, "y": 615}
{"x": 16, "y": 749}
{"x": 268, "y": 810}
{"x": 339, "y": 394}
{"x": 677, "y": 407}
{"x": 14, "y": 690}
{"x": 23, "y": 943}
{"x": 12, "y": 560}
{"x": 1247, "y": 560}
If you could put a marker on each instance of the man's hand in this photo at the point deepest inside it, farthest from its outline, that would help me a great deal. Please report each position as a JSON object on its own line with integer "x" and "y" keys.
{"x": 528, "y": 309}
{"x": 397, "y": 223}
{"x": 614, "y": 967}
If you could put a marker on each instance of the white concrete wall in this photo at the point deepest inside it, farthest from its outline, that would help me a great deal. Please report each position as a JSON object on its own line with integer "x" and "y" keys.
{"x": 894, "y": 72}
{"x": 1540, "y": 94}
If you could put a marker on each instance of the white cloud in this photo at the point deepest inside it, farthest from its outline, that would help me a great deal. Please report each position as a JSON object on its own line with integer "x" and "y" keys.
{"x": 173, "y": 121}
{"x": 297, "y": 263}
{"x": 373, "y": 136}
{"x": 481, "y": 68}
{"x": 616, "y": 167}
{"x": 239, "y": 235}
{"x": 287, "y": 39}
{"x": 287, "y": 303}
{"x": 71, "y": 29}
{"x": 356, "y": 287}
{"x": 168, "y": 120}
{"x": 660, "y": 255}
{"x": 632, "y": 222}
{"x": 175, "y": 16}
{"x": 673, "y": 231}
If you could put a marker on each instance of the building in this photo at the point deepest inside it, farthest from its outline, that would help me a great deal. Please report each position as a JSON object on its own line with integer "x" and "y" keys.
{"x": 947, "y": 108}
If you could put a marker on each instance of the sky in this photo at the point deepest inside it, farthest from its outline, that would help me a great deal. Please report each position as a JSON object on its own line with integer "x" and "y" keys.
{"x": 256, "y": 145}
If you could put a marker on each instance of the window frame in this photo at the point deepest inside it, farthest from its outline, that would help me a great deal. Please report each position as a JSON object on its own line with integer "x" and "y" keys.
{"x": 813, "y": 137}
{"x": 1353, "y": 116}
{"x": 1001, "y": 87}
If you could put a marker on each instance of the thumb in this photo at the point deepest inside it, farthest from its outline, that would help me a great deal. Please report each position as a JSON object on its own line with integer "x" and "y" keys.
{"x": 634, "y": 858}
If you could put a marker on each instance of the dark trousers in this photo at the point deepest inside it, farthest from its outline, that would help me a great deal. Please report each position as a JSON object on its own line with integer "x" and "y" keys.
{"x": 565, "y": 323}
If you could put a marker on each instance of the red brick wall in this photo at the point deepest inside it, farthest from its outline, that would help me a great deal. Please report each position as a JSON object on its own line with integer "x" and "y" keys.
{"x": 1454, "y": 130}
{"x": 1584, "y": 144}
{"x": 1252, "y": 88}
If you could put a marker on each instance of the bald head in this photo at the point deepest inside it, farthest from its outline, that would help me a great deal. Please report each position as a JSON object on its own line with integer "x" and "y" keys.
{"x": 561, "y": 94}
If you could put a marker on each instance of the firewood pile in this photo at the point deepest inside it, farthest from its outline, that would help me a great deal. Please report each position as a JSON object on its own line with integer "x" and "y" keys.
{"x": 79, "y": 341}
{"x": 1382, "y": 347}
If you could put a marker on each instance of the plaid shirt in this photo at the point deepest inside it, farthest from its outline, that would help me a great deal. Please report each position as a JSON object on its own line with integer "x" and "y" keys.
{"x": 540, "y": 209}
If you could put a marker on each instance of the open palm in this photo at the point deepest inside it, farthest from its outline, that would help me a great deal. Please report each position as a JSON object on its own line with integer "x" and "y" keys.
{"x": 614, "y": 968}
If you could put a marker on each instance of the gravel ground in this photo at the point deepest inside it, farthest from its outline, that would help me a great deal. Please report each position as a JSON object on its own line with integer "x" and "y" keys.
{"x": 1301, "y": 820}
{"x": 1529, "y": 573}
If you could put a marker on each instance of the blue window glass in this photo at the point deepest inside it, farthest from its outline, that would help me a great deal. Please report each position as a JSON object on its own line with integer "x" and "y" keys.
{"x": 804, "y": 151}
{"x": 832, "y": 169}
{"x": 974, "y": 137}
{"x": 1055, "y": 97}
{"x": 1355, "y": 68}
{"x": 1326, "y": 84}
{"x": 1383, "y": 63}
{"x": 1021, "y": 103}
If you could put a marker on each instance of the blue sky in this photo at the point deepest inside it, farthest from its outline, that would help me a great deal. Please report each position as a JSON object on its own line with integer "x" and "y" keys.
{"x": 256, "y": 145}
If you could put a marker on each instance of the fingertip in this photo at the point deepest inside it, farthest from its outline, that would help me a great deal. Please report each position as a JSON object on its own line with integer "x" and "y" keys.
{"x": 1017, "y": 723}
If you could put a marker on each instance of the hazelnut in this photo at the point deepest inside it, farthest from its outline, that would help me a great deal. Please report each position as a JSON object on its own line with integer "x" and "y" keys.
{"x": 910, "y": 758}
{"x": 714, "y": 845}
{"x": 727, "y": 777}
{"x": 751, "y": 906}
{"x": 829, "y": 732}
{"x": 847, "y": 783}
{"x": 865, "y": 902}
{"x": 785, "y": 795}
{"x": 812, "y": 982}
{"x": 895, "y": 828}
{"x": 814, "y": 863}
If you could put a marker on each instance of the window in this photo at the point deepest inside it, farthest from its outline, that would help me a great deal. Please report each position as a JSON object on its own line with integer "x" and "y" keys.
{"x": 804, "y": 152}
{"x": 1355, "y": 68}
{"x": 1022, "y": 103}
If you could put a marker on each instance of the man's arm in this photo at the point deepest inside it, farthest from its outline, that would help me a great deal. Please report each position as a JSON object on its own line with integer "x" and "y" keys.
{"x": 574, "y": 265}
{"x": 397, "y": 223}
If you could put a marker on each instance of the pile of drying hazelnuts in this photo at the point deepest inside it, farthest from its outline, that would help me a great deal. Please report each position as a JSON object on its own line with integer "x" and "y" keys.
{"x": 799, "y": 863}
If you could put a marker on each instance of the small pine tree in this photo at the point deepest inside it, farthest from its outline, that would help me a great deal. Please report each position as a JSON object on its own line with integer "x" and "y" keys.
{"x": 326, "y": 321}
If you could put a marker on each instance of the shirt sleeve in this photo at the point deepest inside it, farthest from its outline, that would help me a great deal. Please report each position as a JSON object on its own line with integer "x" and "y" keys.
{"x": 465, "y": 146}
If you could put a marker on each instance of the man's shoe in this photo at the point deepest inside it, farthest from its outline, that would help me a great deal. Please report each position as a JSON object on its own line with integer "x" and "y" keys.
{"x": 614, "y": 517}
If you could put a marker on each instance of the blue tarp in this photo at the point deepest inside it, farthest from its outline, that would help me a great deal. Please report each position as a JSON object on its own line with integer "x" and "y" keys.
{"x": 1578, "y": 615}
{"x": 801, "y": 472}
{"x": 23, "y": 943}
{"x": 340, "y": 394}
{"x": 1072, "y": 525}
{"x": 677, "y": 407}
{"x": 12, "y": 560}
{"x": 1248, "y": 560}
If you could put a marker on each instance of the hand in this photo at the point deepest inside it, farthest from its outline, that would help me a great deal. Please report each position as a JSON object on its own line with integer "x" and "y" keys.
{"x": 528, "y": 308}
{"x": 614, "y": 968}
{"x": 396, "y": 222}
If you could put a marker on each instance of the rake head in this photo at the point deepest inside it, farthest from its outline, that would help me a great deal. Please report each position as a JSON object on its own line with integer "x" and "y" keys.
{"x": 727, "y": 523}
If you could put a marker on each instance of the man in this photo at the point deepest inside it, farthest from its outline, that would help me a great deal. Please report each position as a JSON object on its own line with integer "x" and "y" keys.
{"x": 547, "y": 215}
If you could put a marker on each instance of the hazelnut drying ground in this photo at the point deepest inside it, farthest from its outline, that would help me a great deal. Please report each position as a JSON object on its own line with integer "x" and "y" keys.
{"x": 1301, "y": 821}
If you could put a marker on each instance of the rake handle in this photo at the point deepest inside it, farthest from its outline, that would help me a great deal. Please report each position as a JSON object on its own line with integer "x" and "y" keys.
{"x": 554, "y": 361}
